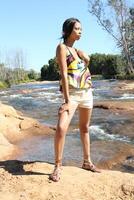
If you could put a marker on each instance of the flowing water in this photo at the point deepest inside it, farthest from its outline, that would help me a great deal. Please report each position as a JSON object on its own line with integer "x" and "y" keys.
{"x": 42, "y": 100}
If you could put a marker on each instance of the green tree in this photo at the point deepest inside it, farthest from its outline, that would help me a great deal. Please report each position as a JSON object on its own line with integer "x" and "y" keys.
{"x": 50, "y": 71}
{"x": 107, "y": 65}
{"x": 44, "y": 72}
{"x": 2, "y": 72}
{"x": 114, "y": 16}
{"x": 97, "y": 61}
{"x": 113, "y": 66}
{"x": 130, "y": 34}
{"x": 32, "y": 74}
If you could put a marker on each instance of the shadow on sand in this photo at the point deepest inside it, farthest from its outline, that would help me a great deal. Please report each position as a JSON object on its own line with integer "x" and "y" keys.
{"x": 15, "y": 167}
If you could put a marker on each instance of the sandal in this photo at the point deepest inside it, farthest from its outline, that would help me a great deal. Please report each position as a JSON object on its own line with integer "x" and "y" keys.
{"x": 55, "y": 176}
{"x": 90, "y": 166}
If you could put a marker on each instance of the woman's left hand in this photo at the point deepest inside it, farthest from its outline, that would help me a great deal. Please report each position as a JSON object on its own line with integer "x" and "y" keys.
{"x": 64, "y": 107}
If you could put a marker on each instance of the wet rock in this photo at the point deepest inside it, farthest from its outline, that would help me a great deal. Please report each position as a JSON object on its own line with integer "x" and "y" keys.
{"x": 108, "y": 154}
{"x": 118, "y": 105}
{"x": 126, "y": 85}
{"x": 115, "y": 122}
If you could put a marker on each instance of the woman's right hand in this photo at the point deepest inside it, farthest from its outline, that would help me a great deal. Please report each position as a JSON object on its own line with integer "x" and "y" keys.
{"x": 64, "y": 107}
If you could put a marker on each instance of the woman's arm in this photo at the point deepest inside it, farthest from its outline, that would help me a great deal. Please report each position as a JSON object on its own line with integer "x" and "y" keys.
{"x": 61, "y": 59}
{"x": 84, "y": 56}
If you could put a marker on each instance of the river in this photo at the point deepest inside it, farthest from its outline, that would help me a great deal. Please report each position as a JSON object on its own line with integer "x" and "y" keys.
{"x": 42, "y": 100}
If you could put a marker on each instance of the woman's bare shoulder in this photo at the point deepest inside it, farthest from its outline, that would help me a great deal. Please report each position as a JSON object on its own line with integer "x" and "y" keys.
{"x": 61, "y": 48}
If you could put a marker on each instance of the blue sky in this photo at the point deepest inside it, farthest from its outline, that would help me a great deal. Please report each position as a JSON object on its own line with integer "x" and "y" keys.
{"x": 34, "y": 26}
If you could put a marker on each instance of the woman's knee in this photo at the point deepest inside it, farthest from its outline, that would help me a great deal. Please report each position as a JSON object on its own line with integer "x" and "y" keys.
{"x": 61, "y": 130}
{"x": 84, "y": 129}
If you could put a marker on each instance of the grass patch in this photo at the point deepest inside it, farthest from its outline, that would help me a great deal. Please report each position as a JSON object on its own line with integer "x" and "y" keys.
{"x": 3, "y": 85}
{"x": 97, "y": 77}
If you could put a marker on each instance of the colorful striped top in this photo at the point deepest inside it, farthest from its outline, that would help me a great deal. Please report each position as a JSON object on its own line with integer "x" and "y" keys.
{"x": 78, "y": 73}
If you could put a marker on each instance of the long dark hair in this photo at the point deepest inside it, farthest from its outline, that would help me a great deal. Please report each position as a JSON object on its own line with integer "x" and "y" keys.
{"x": 68, "y": 27}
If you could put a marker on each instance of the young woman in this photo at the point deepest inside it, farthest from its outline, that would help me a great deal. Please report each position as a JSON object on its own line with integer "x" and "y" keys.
{"x": 77, "y": 93}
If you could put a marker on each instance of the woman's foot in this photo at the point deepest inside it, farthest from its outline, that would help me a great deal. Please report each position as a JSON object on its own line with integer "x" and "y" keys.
{"x": 87, "y": 165}
{"x": 55, "y": 176}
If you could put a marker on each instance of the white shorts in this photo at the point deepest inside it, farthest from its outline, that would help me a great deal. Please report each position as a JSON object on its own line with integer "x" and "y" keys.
{"x": 83, "y": 97}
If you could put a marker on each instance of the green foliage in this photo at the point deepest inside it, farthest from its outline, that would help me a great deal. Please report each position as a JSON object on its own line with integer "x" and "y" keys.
{"x": 10, "y": 76}
{"x": 3, "y": 85}
{"x": 50, "y": 71}
{"x": 44, "y": 72}
{"x": 117, "y": 18}
{"x": 101, "y": 65}
{"x": 107, "y": 65}
{"x": 33, "y": 75}
{"x": 97, "y": 61}
{"x": 97, "y": 77}
{"x": 125, "y": 76}
{"x": 113, "y": 66}
{"x": 131, "y": 35}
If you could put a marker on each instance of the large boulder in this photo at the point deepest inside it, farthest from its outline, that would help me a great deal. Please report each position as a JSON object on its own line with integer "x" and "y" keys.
{"x": 14, "y": 127}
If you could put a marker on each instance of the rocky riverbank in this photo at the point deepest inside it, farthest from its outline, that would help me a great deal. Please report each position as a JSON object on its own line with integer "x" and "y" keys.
{"x": 30, "y": 180}
{"x": 15, "y": 127}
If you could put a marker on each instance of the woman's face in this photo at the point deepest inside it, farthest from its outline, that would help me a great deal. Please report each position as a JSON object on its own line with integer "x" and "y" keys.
{"x": 76, "y": 32}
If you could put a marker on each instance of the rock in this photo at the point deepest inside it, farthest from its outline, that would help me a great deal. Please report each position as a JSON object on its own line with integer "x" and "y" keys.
{"x": 118, "y": 105}
{"x": 7, "y": 110}
{"x": 6, "y": 148}
{"x": 107, "y": 154}
{"x": 28, "y": 123}
{"x": 3, "y": 140}
{"x": 125, "y": 86}
{"x": 15, "y": 127}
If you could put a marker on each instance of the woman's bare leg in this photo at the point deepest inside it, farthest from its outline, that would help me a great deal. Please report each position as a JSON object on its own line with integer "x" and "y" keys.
{"x": 59, "y": 140}
{"x": 84, "y": 121}
{"x": 62, "y": 127}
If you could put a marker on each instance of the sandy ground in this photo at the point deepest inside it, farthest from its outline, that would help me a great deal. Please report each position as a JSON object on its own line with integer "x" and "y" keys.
{"x": 26, "y": 181}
